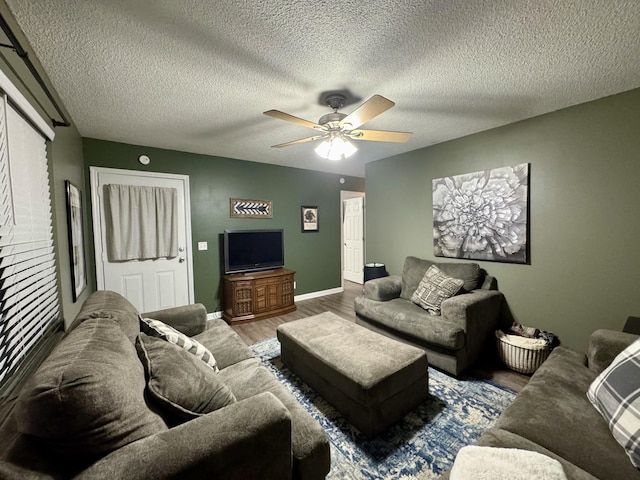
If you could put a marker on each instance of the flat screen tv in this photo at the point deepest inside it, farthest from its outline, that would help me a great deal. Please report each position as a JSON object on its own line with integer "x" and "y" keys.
{"x": 253, "y": 250}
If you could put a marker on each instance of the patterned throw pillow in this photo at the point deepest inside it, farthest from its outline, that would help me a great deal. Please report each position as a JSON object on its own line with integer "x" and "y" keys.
{"x": 183, "y": 386}
{"x": 616, "y": 395}
{"x": 435, "y": 287}
{"x": 156, "y": 328}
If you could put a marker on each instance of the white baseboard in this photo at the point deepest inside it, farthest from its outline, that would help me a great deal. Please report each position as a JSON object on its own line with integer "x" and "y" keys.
{"x": 320, "y": 293}
{"x": 297, "y": 298}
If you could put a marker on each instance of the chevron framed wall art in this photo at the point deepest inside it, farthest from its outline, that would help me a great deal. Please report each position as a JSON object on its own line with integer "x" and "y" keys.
{"x": 483, "y": 215}
{"x": 248, "y": 208}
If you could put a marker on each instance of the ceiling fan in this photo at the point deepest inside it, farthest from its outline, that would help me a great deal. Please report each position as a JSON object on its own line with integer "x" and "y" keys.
{"x": 338, "y": 129}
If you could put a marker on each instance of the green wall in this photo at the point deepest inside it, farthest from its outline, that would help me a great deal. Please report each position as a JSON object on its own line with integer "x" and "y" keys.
{"x": 584, "y": 202}
{"x": 64, "y": 155}
{"x": 214, "y": 180}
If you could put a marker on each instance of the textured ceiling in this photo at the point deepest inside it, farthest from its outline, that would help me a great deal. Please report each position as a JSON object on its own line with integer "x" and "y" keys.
{"x": 196, "y": 75}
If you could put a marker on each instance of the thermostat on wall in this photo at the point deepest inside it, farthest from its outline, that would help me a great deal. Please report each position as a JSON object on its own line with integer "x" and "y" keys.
{"x": 144, "y": 160}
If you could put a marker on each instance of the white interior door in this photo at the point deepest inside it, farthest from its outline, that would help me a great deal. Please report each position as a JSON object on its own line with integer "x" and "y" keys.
{"x": 148, "y": 284}
{"x": 353, "y": 233}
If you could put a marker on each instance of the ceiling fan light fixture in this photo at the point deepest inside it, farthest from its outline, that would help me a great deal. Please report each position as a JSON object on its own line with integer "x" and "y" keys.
{"x": 335, "y": 130}
{"x": 336, "y": 148}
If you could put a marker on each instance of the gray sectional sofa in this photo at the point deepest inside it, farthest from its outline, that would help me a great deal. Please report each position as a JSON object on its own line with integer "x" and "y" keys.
{"x": 454, "y": 339}
{"x": 90, "y": 411}
{"x": 553, "y": 416}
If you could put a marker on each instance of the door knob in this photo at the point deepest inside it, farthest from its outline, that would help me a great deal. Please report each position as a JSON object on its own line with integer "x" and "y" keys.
{"x": 181, "y": 260}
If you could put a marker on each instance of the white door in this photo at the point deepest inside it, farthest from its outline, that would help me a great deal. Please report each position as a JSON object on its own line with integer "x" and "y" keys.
{"x": 353, "y": 239}
{"x": 148, "y": 284}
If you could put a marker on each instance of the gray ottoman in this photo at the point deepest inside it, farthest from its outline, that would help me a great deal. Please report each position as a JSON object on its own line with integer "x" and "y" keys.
{"x": 371, "y": 379}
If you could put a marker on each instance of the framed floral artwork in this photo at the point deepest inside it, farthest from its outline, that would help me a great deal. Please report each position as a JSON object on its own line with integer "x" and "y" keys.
{"x": 309, "y": 217}
{"x": 483, "y": 215}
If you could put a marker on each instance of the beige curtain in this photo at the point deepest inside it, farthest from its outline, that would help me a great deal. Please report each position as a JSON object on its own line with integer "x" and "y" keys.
{"x": 142, "y": 222}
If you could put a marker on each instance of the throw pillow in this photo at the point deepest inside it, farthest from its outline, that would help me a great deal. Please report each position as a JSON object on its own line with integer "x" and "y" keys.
{"x": 159, "y": 329}
{"x": 183, "y": 386}
{"x": 87, "y": 399}
{"x": 435, "y": 287}
{"x": 616, "y": 395}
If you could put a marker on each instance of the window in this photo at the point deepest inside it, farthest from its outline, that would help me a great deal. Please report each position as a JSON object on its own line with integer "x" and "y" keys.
{"x": 29, "y": 303}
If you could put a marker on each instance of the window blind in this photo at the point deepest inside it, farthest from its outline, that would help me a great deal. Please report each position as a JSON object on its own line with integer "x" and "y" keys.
{"x": 29, "y": 303}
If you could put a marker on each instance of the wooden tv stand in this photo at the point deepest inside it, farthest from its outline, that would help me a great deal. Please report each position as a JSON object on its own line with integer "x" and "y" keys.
{"x": 253, "y": 296}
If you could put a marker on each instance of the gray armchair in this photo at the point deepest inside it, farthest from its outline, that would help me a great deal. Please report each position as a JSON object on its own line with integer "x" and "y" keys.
{"x": 454, "y": 339}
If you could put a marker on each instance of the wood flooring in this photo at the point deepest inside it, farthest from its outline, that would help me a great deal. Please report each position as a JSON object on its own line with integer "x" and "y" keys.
{"x": 341, "y": 304}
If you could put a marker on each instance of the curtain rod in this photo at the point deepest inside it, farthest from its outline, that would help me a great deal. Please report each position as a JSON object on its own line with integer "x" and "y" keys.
{"x": 15, "y": 46}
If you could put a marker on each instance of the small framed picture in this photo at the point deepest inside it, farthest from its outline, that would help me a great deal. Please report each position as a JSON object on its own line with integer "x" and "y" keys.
{"x": 310, "y": 219}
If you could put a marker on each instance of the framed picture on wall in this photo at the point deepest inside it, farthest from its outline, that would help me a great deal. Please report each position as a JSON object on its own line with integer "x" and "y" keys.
{"x": 247, "y": 208}
{"x": 76, "y": 240}
{"x": 309, "y": 216}
{"x": 483, "y": 215}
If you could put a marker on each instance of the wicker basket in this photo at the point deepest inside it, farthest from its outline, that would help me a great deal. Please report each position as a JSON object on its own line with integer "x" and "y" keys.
{"x": 521, "y": 359}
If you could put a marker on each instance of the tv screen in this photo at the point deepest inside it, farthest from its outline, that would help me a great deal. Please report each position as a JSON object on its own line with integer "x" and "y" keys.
{"x": 253, "y": 250}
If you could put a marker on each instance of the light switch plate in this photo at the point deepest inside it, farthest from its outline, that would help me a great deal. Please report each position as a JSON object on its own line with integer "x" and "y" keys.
{"x": 203, "y": 246}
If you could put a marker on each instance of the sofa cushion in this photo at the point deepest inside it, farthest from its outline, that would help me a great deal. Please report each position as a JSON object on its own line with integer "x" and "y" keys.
{"x": 616, "y": 395}
{"x": 309, "y": 442}
{"x": 412, "y": 274}
{"x": 220, "y": 338}
{"x": 87, "y": 397}
{"x": 469, "y": 273}
{"x": 411, "y": 321}
{"x": 108, "y": 304}
{"x": 435, "y": 287}
{"x": 605, "y": 345}
{"x": 415, "y": 268}
{"x": 156, "y": 328}
{"x": 183, "y": 386}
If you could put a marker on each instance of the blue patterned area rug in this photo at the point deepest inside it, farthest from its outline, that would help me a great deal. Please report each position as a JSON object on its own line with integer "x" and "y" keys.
{"x": 421, "y": 446}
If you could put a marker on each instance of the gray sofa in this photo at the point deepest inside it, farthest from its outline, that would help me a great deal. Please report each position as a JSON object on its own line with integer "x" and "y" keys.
{"x": 88, "y": 412}
{"x": 454, "y": 339}
{"x": 553, "y": 416}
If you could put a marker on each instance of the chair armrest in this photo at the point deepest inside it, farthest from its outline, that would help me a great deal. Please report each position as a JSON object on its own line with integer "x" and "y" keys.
{"x": 473, "y": 310}
{"x": 188, "y": 319}
{"x": 478, "y": 314}
{"x": 383, "y": 288}
{"x": 605, "y": 345}
{"x": 249, "y": 439}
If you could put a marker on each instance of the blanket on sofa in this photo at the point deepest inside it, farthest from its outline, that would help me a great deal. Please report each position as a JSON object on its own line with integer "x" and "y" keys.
{"x": 491, "y": 463}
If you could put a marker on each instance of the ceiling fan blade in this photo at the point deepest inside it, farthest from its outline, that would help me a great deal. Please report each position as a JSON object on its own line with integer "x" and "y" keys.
{"x": 290, "y": 118}
{"x": 381, "y": 135}
{"x": 302, "y": 140}
{"x": 368, "y": 110}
